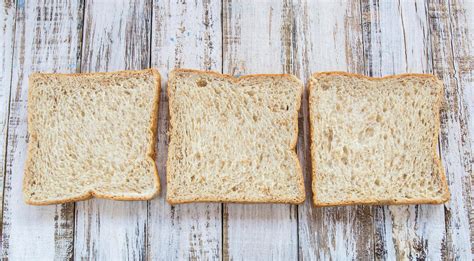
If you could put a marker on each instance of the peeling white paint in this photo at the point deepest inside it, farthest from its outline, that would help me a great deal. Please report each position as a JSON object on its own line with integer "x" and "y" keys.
{"x": 46, "y": 39}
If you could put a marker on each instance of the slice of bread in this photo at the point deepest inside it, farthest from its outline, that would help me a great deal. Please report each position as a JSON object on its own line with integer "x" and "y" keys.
{"x": 92, "y": 135}
{"x": 374, "y": 140}
{"x": 233, "y": 139}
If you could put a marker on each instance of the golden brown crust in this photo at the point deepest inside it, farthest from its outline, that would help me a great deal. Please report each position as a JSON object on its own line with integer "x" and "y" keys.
{"x": 301, "y": 187}
{"x": 154, "y": 129}
{"x": 317, "y": 203}
{"x": 234, "y": 78}
{"x": 444, "y": 182}
{"x": 312, "y": 146}
{"x": 151, "y": 153}
{"x": 382, "y": 202}
{"x": 296, "y": 201}
{"x": 403, "y": 75}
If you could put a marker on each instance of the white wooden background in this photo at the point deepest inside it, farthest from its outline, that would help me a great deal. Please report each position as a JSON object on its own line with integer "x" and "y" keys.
{"x": 238, "y": 37}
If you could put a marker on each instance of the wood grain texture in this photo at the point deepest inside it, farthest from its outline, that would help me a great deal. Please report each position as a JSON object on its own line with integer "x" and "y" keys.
{"x": 47, "y": 38}
{"x": 329, "y": 38}
{"x": 239, "y": 37}
{"x": 453, "y": 58}
{"x": 116, "y": 37}
{"x": 257, "y": 38}
{"x": 7, "y": 29}
{"x": 397, "y": 41}
{"x": 186, "y": 35}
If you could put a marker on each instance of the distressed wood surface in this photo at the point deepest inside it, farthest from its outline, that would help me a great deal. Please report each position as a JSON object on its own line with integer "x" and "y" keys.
{"x": 187, "y": 35}
{"x": 257, "y": 38}
{"x": 453, "y": 59}
{"x": 41, "y": 31}
{"x": 329, "y": 38}
{"x": 116, "y": 37}
{"x": 7, "y": 29}
{"x": 397, "y": 40}
{"x": 239, "y": 37}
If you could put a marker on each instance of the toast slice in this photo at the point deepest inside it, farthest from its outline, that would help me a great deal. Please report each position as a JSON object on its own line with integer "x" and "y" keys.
{"x": 92, "y": 135}
{"x": 374, "y": 140}
{"x": 233, "y": 139}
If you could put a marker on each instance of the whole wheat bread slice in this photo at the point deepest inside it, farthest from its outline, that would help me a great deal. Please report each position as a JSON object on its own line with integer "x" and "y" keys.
{"x": 374, "y": 140}
{"x": 92, "y": 135}
{"x": 233, "y": 139}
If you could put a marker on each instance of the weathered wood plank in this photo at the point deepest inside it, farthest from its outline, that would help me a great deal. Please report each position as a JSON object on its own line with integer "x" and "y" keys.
{"x": 258, "y": 38}
{"x": 452, "y": 29}
{"x": 47, "y": 38}
{"x": 188, "y": 35}
{"x": 7, "y": 29}
{"x": 329, "y": 38}
{"x": 396, "y": 40}
{"x": 116, "y": 37}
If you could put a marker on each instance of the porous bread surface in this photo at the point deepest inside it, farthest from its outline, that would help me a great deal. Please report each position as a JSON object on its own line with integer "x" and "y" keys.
{"x": 374, "y": 140}
{"x": 233, "y": 139}
{"x": 92, "y": 135}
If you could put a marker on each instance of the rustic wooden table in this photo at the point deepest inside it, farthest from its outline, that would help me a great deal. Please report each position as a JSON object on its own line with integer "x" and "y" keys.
{"x": 238, "y": 37}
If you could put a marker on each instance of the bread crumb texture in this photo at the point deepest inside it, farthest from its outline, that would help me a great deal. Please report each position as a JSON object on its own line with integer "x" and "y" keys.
{"x": 233, "y": 139}
{"x": 374, "y": 140}
{"x": 91, "y": 135}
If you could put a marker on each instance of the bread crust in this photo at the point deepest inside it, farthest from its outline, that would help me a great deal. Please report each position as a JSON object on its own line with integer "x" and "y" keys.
{"x": 446, "y": 195}
{"x": 151, "y": 152}
{"x": 302, "y": 193}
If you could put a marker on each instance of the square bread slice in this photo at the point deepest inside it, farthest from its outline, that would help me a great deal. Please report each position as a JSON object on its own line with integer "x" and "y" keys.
{"x": 92, "y": 135}
{"x": 233, "y": 139}
{"x": 374, "y": 140}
